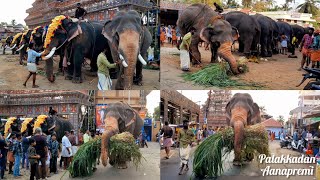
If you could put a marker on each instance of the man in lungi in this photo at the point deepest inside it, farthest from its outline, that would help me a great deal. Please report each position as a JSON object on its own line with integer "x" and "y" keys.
{"x": 186, "y": 138}
{"x": 304, "y": 47}
{"x": 167, "y": 138}
{"x": 185, "y": 50}
{"x": 66, "y": 152}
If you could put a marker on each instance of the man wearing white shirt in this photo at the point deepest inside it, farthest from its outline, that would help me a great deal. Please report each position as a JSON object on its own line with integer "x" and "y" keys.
{"x": 66, "y": 150}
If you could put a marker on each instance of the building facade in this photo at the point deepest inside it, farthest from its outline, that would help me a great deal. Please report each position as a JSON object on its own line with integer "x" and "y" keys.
{"x": 10, "y": 30}
{"x": 31, "y": 103}
{"x": 43, "y": 11}
{"x": 213, "y": 113}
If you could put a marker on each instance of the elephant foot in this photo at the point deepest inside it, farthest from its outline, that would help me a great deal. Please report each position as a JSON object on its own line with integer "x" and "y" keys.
{"x": 91, "y": 73}
{"x": 122, "y": 165}
{"x": 237, "y": 163}
{"x": 77, "y": 80}
{"x": 68, "y": 77}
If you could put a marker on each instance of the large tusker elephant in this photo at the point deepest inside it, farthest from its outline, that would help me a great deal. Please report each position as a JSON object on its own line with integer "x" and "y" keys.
{"x": 50, "y": 124}
{"x": 249, "y": 31}
{"x": 241, "y": 111}
{"x": 7, "y": 44}
{"x": 129, "y": 41}
{"x": 27, "y": 126}
{"x": 84, "y": 40}
{"x": 37, "y": 38}
{"x": 269, "y": 34}
{"x": 24, "y": 42}
{"x": 15, "y": 42}
{"x": 118, "y": 118}
{"x": 211, "y": 28}
{"x": 13, "y": 125}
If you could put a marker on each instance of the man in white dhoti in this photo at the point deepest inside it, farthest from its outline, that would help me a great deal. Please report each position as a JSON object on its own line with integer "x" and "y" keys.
{"x": 186, "y": 138}
{"x": 185, "y": 50}
{"x": 66, "y": 152}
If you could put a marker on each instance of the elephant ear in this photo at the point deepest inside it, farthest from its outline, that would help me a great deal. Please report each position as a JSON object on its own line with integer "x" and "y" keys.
{"x": 228, "y": 113}
{"x": 256, "y": 113}
{"x": 107, "y": 30}
{"x": 206, "y": 33}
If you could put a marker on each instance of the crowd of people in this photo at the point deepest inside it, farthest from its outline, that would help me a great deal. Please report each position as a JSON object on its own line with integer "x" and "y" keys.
{"x": 310, "y": 48}
{"x": 169, "y": 34}
{"x": 39, "y": 153}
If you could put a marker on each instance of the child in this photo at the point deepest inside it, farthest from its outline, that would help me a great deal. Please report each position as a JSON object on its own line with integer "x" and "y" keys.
{"x": 104, "y": 65}
{"x": 54, "y": 149}
{"x": 284, "y": 44}
{"x": 33, "y": 158}
{"x": 31, "y": 65}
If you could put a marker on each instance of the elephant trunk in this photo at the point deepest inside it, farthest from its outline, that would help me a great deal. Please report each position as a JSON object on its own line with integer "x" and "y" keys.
{"x": 238, "y": 140}
{"x": 225, "y": 52}
{"x": 112, "y": 128}
{"x": 49, "y": 69}
{"x": 129, "y": 48}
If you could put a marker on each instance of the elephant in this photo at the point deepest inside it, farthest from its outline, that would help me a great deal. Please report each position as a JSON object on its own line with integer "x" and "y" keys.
{"x": 129, "y": 41}
{"x": 210, "y": 28}
{"x": 37, "y": 38}
{"x": 118, "y": 117}
{"x": 27, "y": 126}
{"x": 50, "y": 124}
{"x": 81, "y": 40}
{"x": 13, "y": 125}
{"x": 299, "y": 32}
{"x": 15, "y": 42}
{"x": 269, "y": 33}
{"x": 241, "y": 111}
{"x": 249, "y": 31}
{"x": 24, "y": 42}
{"x": 7, "y": 43}
{"x": 286, "y": 29}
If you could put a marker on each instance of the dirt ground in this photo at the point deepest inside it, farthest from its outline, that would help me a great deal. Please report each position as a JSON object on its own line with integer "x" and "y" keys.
{"x": 278, "y": 72}
{"x": 12, "y": 76}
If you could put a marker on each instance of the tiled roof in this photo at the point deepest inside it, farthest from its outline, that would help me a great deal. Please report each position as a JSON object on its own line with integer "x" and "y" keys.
{"x": 271, "y": 123}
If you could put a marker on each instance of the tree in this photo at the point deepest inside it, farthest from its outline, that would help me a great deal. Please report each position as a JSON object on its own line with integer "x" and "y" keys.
{"x": 13, "y": 22}
{"x": 4, "y": 24}
{"x": 280, "y": 119}
{"x": 156, "y": 113}
{"x": 259, "y": 6}
{"x": 286, "y": 5}
{"x": 309, "y": 7}
{"x": 246, "y": 3}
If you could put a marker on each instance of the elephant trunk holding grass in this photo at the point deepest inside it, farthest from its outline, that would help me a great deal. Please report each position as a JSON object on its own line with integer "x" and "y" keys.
{"x": 118, "y": 118}
{"x": 211, "y": 28}
{"x": 241, "y": 111}
{"x": 129, "y": 41}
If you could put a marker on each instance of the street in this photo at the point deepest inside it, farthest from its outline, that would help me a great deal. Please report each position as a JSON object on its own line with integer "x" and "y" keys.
{"x": 170, "y": 168}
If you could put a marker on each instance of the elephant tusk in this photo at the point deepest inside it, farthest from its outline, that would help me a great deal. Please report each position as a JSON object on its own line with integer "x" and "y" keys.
{"x": 6, "y": 46}
{"x": 13, "y": 46}
{"x": 52, "y": 127}
{"x": 124, "y": 63}
{"x": 51, "y": 53}
{"x": 142, "y": 60}
{"x": 20, "y": 48}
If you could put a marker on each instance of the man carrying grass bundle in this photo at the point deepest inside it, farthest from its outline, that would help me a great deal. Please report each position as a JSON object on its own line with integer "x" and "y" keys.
{"x": 186, "y": 138}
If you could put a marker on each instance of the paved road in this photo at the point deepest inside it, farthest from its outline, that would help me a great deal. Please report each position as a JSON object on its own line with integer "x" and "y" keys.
{"x": 170, "y": 167}
{"x": 149, "y": 169}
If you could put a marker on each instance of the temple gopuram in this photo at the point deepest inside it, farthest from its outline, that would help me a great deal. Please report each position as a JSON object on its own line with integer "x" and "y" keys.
{"x": 43, "y": 11}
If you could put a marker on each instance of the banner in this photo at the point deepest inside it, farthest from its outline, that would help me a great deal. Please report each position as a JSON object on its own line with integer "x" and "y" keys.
{"x": 100, "y": 114}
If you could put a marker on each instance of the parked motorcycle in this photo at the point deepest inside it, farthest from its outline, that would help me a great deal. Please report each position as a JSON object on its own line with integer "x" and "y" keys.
{"x": 297, "y": 145}
{"x": 314, "y": 75}
{"x": 286, "y": 143}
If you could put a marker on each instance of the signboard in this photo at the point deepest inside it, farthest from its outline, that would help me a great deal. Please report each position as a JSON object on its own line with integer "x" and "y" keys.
{"x": 205, "y": 121}
{"x": 148, "y": 122}
{"x": 100, "y": 114}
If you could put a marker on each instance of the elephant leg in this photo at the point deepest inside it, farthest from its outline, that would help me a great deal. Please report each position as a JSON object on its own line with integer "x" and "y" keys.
{"x": 194, "y": 50}
{"x": 241, "y": 46}
{"x": 247, "y": 46}
{"x": 111, "y": 128}
{"x": 138, "y": 76}
{"x": 21, "y": 57}
{"x": 264, "y": 44}
{"x": 269, "y": 47}
{"x": 70, "y": 65}
{"x": 214, "y": 51}
{"x": 61, "y": 53}
{"x": 77, "y": 64}
{"x": 93, "y": 64}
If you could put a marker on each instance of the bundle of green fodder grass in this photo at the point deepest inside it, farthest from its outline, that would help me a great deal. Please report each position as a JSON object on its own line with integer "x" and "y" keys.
{"x": 85, "y": 159}
{"x": 209, "y": 155}
{"x": 124, "y": 148}
{"x": 216, "y": 75}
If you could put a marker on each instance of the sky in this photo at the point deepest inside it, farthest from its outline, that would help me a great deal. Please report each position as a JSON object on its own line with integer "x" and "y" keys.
{"x": 275, "y": 102}
{"x": 153, "y": 100}
{"x": 14, "y": 9}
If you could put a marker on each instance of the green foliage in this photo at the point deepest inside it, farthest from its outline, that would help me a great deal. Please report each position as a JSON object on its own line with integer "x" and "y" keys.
{"x": 208, "y": 157}
{"x": 156, "y": 113}
{"x": 246, "y": 3}
{"x": 85, "y": 159}
{"x": 309, "y": 7}
{"x": 123, "y": 148}
{"x": 216, "y": 75}
{"x": 280, "y": 119}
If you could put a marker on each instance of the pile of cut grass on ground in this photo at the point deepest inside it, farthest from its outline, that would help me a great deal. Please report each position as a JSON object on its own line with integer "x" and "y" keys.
{"x": 217, "y": 75}
{"x": 209, "y": 155}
